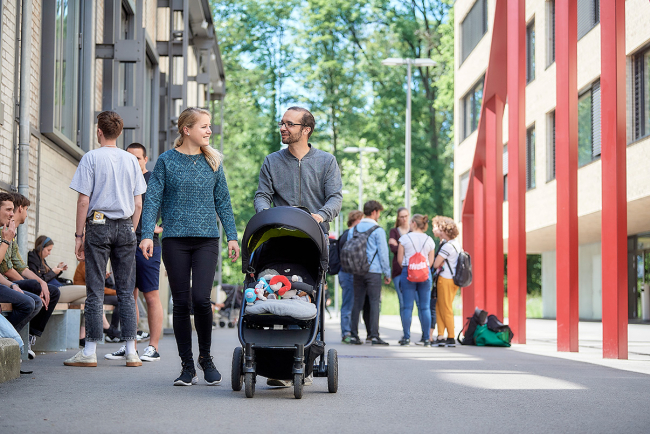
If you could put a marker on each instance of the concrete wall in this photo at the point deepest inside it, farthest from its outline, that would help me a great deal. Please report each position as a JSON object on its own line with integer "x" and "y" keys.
{"x": 590, "y": 282}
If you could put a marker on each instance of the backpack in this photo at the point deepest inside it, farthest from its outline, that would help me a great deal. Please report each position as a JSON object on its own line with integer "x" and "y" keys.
{"x": 463, "y": 274}
{"x": 418, "y": 270}
{"x": 493, "y": 334}
{"x": 473, "y": 323}
{"x": 334, "y": 264}
{"x": 353, "y": 255}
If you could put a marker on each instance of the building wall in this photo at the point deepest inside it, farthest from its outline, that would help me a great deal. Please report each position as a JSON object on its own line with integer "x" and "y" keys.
{"x": 541, "y": 205}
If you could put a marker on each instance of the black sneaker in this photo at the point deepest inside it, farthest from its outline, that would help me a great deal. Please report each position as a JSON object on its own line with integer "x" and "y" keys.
{"x": 379, "y": 341}
{"x": 426, "y": 343}
{"x": 346, "y": 339}
{"x": 450, "y": 342}
{"x": 210, "y": 373}
{"x": 440, "y": 342}
{"x": 355, "y": 340}
{"x": 404, "y": 342}
{"x": 421, "y": 342}
{"x": 368, "y": 340}
{"x": 188, "y": 375}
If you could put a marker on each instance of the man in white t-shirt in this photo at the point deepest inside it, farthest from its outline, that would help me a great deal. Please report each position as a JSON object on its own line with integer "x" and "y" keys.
{"x": 110, "y": 184}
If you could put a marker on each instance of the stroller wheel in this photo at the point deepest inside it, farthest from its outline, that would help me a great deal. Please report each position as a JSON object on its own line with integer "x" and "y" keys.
{"x": 332, "y": 371}
{"x": 297, "y": 386}
{"x": 231, "y": 325}
{"x": 236, "y": 377}
{"x": 222, "y": 324}
{"x": 249, "y": 381}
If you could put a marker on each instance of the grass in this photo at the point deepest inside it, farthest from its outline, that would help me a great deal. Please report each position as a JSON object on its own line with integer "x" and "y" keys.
{"x": 390, "y": 304}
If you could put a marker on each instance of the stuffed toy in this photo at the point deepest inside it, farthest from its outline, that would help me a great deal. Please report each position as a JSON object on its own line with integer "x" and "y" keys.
{"x": 296, "y": 278}
{"x": 280, "y": 285}
{"x": 263, "y": 285}
{"x": 250, "y": 296}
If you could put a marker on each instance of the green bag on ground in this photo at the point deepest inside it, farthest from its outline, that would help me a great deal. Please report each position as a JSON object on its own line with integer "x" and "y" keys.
{"x": 483, "y": 337}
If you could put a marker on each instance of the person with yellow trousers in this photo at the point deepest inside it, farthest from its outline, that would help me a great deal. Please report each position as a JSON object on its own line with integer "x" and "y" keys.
{"x": 445, "y": 262}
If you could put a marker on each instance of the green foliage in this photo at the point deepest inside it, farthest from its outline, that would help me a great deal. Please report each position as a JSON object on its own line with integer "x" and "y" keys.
{"x": 326, "y": 55}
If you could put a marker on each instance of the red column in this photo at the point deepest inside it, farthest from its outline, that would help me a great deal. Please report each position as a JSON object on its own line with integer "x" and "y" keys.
{"x": 468, "y": 246}
{"x": 494, "y": 206}
{"x": 614, "y": 214}
{"x": 478, "y": 261}
{"x": 566, "y": 171}
{"x": 517, "y": 169}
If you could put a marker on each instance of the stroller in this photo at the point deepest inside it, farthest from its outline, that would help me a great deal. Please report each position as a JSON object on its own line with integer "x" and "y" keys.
{"x": 283, "y": 347}
{"x": 232, "y": 304}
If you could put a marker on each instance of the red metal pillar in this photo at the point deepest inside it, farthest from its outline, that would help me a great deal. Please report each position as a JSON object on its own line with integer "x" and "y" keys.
{"x": 468, "y": 245}
{"x": 517, "y": 169}
{"x": 494, "y": 206}
{"x": 478, "y": 261}
{"x": 566, "y": 164}
{"x": 614, "y": 214}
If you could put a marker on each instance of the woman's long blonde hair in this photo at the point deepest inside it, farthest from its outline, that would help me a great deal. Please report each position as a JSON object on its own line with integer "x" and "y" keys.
{"x": 187, "y": 119}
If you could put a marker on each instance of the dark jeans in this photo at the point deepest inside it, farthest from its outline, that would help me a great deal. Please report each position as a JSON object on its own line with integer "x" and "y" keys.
{"x": 368, "y": 285}
{"x": 115, "y": 240}
{"x": 347, "y": 302}
{"x": 24, "y": 306}
{"x": 195, "y": 259}
{"x": 38, "y": 323}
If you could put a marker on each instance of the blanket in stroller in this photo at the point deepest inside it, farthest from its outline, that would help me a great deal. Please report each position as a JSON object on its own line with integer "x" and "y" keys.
{"x": 297, "y": 309}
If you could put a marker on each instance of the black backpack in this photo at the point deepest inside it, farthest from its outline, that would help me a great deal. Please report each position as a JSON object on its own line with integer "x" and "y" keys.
{"x": 479, "y": 318}
{"x": 353, "y": 253}
{"x": 334, "y": 261}
{"x": 463, "y": 274}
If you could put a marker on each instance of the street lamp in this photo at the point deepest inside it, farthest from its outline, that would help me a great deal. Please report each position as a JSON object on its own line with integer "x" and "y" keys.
{"x": 360, "y": 150}
{"x": 393, "y": 61}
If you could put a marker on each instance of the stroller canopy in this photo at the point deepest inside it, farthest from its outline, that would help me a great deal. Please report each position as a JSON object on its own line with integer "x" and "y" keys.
{"x": 282, "y": 221}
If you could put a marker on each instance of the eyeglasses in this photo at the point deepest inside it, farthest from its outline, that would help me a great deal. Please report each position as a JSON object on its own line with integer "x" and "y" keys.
{"x": 289, "y": 124}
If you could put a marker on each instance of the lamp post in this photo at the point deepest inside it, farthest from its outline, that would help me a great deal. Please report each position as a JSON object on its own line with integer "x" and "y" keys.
{"x": 393, "y": 61}
{"x": 360, "y": 150}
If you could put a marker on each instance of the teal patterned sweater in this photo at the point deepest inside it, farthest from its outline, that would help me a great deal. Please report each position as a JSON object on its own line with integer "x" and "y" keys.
{"x": 189, "y": 195}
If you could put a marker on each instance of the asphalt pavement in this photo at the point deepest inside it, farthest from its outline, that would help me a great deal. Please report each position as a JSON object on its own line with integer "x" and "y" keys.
{"x": 527, "y": 388}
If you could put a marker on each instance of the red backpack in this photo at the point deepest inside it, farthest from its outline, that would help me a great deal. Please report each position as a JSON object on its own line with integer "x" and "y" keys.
{"x": 418, "y": 270}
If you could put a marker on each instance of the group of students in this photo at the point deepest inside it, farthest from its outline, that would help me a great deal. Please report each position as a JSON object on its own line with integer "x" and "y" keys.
{"x": 434, "y": 292}
{"x": 421, "y": 273}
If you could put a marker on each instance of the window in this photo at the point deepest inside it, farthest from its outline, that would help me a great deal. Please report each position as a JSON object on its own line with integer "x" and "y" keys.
{"x": 550, "y": 32}
{"x": 473, "y": 27}
{"x": 589, "y": 125}
{"x": 60, "y": 71}
{"x": 463, "y": 183}
{"x": 530, "y": 51}
{"x": 641, "y": 101}
{"x": 550, "y": 150}
{"x": 588, "y": 16}
{"x": 530, "y": 158}
{"x": 505, "y": 172}
{"x": 471, "y": 105}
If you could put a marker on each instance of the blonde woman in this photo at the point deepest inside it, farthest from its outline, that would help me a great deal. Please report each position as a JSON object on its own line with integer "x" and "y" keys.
{"x": 445, "y": 262}
{"x": 189, "y": 188}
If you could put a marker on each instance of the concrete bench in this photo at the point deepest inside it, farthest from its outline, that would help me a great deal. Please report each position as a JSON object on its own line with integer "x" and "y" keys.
{"x": 62, "y": 331}
{"x": 9, "y": 360}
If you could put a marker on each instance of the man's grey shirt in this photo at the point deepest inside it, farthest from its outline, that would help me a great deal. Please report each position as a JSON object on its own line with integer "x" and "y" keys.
{"x": 111, "y": 177}
{"x": 313, "y": 182}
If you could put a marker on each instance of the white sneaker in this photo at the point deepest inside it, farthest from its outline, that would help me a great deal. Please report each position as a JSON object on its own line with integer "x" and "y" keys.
{"x": 309, "y": 380}
{"x": 31, "y": 341}
{"x": 132, "y": 360}
{"x": 117, "y": 355}
{"x": 80, "y": 360}
{"x": 150, "y": 354}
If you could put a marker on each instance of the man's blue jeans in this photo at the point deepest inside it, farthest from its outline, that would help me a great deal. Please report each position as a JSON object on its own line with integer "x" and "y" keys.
{"x": 397, "y": 281}
{"x": 347, "y": 301}
{"x": 115, "y": 240}
{"x": 420, "y": 292}
{"x": 24, "y": 305}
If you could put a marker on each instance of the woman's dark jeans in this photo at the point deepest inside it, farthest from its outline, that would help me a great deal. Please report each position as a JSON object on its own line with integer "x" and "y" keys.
{"x": 38, "y": 323}
{"x": 191, "y": 259}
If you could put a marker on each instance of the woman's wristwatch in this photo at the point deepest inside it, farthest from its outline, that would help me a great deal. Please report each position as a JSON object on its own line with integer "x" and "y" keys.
{"x": 6, "y": 242}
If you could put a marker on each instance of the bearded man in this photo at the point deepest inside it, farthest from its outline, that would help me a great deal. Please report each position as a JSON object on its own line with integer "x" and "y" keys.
{"x": 300, "y": 175}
